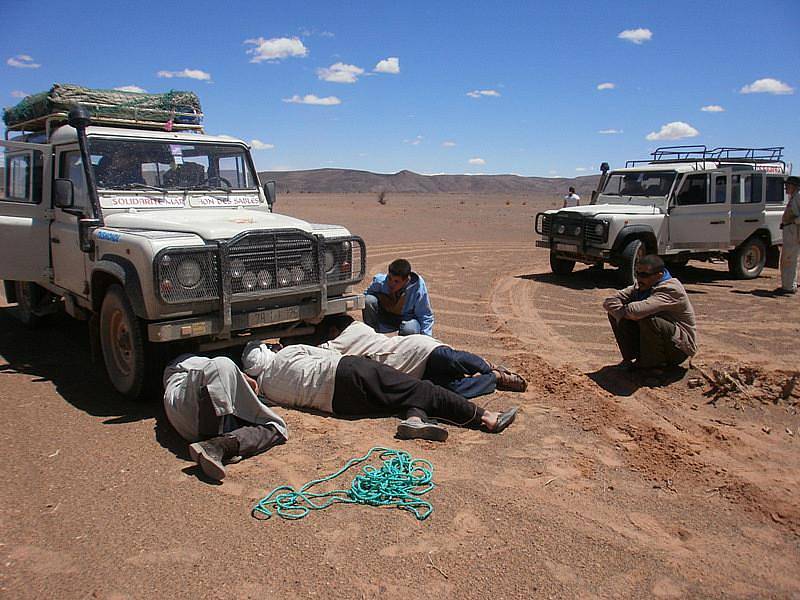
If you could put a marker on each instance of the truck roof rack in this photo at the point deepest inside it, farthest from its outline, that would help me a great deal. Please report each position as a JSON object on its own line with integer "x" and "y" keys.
{"x": 48, "y": 123}
{"x": 723, "y": 154}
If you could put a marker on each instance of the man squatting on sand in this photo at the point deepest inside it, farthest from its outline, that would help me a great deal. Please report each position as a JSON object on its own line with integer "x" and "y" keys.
{"x": 653, "y": 320}
{"x": 398, "y": 301}
{"x": 309, "y": 377}
{"x": 421, "y": 356}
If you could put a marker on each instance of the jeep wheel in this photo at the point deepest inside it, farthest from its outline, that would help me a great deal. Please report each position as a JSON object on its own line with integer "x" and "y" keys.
{"x": 122, "y": 344}
{"x": 561, "y": 266}
{"x": 28, "y": 297}
{"x": 631, "y": 253}
{"x": 748, "y": 260}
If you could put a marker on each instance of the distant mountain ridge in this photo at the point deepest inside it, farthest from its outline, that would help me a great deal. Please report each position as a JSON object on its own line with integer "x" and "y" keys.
{"x": 349, "y": 181}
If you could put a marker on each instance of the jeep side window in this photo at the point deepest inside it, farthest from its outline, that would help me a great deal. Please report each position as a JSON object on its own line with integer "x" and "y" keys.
{"x": 72, "y": 168}
{"x": 693, "y": 191}
{"x": 23, "y": 177}
{"x": 775, "y": 190}
{"x": 736, "y": 189}
{"x": 752, "y": 188}
{"x": 720, "y": 183}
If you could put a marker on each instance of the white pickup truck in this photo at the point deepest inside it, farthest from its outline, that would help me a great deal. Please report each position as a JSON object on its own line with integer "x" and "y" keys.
{"x": 685, "y": 203}
{"x": 160, "y": 236}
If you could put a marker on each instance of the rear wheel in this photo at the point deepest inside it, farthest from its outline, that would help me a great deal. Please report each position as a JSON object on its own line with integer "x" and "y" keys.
{"x": 122, "y": 343}
{"x": 561, "y": 266}
{"x": 631, "y": 253}
{"x": 748, "y": 260}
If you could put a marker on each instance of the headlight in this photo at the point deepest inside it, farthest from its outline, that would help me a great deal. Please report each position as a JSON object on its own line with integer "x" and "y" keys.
{"x": 577, "y": 231}
{"x": 298, "y": 275}
{"x": 284, "y": 278}
{"x": 561, "y": 229}
{"x": 188, "y": 273}
{"x": 330, "y": 260}
{"x": 599, "y": 229}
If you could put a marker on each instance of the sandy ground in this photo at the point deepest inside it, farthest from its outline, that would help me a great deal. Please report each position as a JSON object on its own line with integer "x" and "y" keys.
{"x": 607, "y": 485}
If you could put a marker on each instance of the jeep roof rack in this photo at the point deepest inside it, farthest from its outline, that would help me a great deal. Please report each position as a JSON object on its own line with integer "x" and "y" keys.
{"x": 723, "y": 154}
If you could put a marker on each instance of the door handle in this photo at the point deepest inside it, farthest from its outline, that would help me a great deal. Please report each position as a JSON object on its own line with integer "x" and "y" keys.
{"x": 716, "y": 222}
{"x": 55, "y": 240}
{"x": 751, "y": 220}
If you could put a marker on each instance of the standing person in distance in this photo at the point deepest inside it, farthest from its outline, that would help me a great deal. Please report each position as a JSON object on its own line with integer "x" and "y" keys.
{"x": 790, "y": 223}
{"x": 571, "y": 199}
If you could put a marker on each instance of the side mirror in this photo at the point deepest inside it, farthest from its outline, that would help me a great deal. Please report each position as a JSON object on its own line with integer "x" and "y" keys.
{"x": 269, "y": 192}
{"x": 64, "y": 194}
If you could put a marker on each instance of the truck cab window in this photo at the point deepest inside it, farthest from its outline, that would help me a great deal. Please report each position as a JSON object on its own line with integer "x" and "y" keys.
{"x": 736, "y": 189}
{"x": 72, "y": 168}
{"x": 720, "y": 185}
{"x": 775, "y": 193}
{"x": 753, "y": 185}
{"x": 693, "y": 191}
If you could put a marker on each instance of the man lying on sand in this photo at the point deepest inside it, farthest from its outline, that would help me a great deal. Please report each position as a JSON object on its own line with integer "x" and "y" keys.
{"x": 303, "y": 376}
{"x": 420, "y": 356}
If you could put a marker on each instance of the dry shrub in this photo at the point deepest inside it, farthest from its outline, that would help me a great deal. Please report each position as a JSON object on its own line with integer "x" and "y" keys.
{"x": 382, "y": 197}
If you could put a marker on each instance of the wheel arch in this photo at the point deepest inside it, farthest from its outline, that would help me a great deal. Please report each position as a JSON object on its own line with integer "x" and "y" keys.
{"x": 636, "y": 232}
{"x": 114, "y": 269}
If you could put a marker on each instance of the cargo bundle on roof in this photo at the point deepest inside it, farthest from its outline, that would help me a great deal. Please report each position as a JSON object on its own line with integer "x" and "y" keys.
{"x": 171, "y": 110}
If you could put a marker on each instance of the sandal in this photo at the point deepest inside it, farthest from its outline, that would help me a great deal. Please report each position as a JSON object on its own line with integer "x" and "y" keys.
{"x": 509, "y": 381}
{"x": 504, "y": 420}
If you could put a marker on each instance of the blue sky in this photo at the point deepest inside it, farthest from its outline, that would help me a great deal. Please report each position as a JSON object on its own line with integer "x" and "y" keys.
{"x": 436, "y": 87}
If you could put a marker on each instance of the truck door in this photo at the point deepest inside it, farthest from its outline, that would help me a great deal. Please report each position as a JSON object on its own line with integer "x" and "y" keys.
{"x": 747, "y": 205}
{"x": 699, "y": 214}
{"x": 25, "y": 211}
{"x": 69, "y": 262}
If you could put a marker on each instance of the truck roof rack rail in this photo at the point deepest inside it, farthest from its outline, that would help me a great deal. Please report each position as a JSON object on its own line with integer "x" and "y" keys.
{"x": 723, "y": 154}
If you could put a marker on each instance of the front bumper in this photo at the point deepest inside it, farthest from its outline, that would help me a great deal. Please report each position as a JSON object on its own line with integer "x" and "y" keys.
{"x": 574, "y": 250}
{"x": 276, "y": 322}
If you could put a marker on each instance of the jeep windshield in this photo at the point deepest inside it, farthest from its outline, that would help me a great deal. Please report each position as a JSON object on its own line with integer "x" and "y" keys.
{"x": 170, "y": 165}
{"x": 628, "y": 185}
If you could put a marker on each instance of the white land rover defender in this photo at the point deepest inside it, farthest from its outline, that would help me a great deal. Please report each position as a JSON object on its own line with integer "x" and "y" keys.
{"x": 156, "y": 236}
{"x": 686, "y": 203}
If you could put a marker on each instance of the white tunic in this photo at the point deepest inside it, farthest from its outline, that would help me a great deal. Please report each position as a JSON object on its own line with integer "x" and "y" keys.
{"x": 408, "y": 354}
{"x": 230, "y": 394}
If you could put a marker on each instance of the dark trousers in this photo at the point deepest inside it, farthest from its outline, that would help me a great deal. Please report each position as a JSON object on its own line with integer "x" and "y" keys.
{"x": 364, "y": 387}
{"x": 454, "y": 369}
{"x": 253, "y": 439}
{"x": 649, "y": 341}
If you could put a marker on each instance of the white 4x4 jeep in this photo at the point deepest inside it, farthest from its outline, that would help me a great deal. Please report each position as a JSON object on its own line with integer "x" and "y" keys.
{"x": 687, "y": 202}
{"x": 158, "y": 236}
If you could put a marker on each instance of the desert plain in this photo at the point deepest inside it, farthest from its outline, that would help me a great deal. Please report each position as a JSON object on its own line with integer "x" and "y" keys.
{"x": 607, "y": 485}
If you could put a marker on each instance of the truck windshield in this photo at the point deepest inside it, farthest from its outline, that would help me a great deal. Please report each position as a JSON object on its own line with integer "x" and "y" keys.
{"x": 640, "y": 183}
{"x": 166, "y": 165}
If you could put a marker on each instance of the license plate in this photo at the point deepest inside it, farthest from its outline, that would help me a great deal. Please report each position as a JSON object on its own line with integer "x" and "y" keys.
{"x": 275, "y": 315}
{"x": 567, "y": 248}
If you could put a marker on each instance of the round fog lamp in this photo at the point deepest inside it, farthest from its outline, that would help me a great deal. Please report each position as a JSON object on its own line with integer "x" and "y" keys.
{"x": 249, "y": 281}
{"x": 561, "y": 229}
{"x": 284, "y": 278}
{"x": 264, "y": 279}
{"x": 298, "y": 275}
{"x": 577, "y": 231}
{"x": 237, "y": 269}
{"x": 189, "y": 273}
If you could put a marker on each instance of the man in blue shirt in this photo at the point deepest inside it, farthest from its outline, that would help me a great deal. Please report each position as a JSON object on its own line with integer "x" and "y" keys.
{"x": 398, "y": 301}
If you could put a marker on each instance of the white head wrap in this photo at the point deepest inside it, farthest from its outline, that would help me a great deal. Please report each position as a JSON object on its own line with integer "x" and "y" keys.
{"x": 256, "y": 358}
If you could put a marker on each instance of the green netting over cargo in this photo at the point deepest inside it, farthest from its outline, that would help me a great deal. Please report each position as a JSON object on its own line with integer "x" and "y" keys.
{"x": 176, "y": 106}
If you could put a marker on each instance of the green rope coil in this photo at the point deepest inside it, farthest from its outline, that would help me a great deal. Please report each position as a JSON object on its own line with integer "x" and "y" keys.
{"x": 399, "y": 483}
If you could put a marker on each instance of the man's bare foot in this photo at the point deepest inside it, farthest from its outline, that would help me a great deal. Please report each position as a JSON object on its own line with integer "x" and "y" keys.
{"x": 495, "y": 422}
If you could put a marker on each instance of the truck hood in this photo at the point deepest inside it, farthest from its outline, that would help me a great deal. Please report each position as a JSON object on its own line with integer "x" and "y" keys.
{"x": 592, "y": 210}
{"x": 210, "y": 224}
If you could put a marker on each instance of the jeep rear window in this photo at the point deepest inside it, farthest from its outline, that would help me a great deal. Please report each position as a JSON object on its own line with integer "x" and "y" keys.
{"x": 775, "y": 190}
{"x": 135, "y": 164}
{"x": 643, "y": 183}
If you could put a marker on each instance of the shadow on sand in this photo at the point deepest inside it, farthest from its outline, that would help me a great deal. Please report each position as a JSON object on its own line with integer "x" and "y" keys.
{"x": 620, "y": 382}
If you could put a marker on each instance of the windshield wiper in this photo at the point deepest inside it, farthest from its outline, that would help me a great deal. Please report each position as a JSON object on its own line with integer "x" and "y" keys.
{"x": 210, "y": 188}
{"x": 143, "y": 186}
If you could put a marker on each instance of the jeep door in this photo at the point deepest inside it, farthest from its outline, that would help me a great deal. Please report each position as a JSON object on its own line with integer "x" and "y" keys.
{"x": 747, "y": 205}
{"x": 699, "y": 214}
{"x": 25, "y": 211}
{"x": 69, "y": 262}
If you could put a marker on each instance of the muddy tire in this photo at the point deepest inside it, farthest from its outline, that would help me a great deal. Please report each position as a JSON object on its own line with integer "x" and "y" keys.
{"x": 748, "y": 260}
{"x": 631, "y": 253}
{"x": 561, "y": 266}
{"x": 123, "y": 345}
{"x": 29, "y": 295}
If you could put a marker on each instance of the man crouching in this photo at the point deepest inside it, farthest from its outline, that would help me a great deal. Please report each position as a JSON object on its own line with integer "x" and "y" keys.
{"x": 653, "y": 320}
{"x": 214, "y": 406}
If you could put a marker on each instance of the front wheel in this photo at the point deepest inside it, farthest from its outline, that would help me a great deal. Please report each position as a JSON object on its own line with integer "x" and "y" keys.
{"x": 122, "y": 343}
{"x": 561, "y": 266}
{"x": 631, "y": 253}
{"x": 748, "y": 260}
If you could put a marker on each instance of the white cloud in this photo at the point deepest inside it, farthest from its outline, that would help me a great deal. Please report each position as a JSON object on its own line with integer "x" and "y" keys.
{"x": 476, "y": 161}
{"x": 479, "y": 93}
{"x": 610, "y": 131}
{"x": 768, "y": 85}
{"x": 636, "y": 36}
{"x": 340, "y": 73}
{"x": 312, "y": 99}
{"x": 23, "y": 61}
{"x": 415, "y": 142}
{"x": 259, "y": 145}
{"x": 712, "y": 108}
{"x": 187, "y": 74}
{"x": 606, "y": 86}
{"x": 673, "y": 131}
{"x": 389, "y": 65}
{"x": 581, "y": 169}
{"x": 131, "y": 88}
{"x": 19, "y": 94}
{"x": 448, "y": 144}
{"x": 275, "y": 49}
